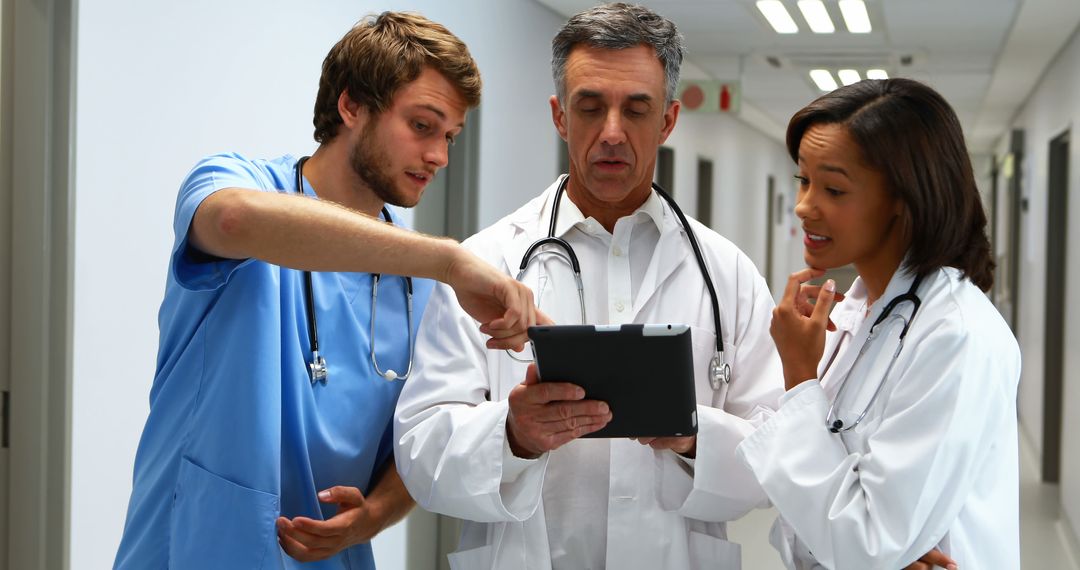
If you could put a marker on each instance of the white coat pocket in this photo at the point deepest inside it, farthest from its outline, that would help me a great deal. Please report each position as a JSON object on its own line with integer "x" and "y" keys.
{"x": 709, "y": 552}
{"x": 200, "y": 538}
{"x": 472, "y": 559}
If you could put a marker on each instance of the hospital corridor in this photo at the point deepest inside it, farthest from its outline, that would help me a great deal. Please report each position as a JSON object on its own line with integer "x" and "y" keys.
{"x": 107, "y": 105}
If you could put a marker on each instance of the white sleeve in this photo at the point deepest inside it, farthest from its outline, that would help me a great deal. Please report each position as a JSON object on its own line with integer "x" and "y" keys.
{"x": 717, "y": 486}
{"x": 889, "y": 506}
{"x": 449, "y": 439}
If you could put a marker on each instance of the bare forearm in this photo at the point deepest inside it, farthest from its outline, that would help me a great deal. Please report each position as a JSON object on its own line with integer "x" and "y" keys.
{"x": 303, "y": 233}
{"x": 389, "y": 496}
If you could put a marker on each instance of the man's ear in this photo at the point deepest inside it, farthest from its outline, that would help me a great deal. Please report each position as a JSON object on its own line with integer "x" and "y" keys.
{"x": 671, "y": 115}
{"x": 352, "y": 113}
{"x": 558, "y": 116}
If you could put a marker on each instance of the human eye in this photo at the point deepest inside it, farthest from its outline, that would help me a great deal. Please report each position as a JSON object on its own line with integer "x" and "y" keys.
{"x": 803, "y": 180}
{"x": 450, "y": 140}
{"x": 834, "y": 191}
{"x": 421, "y": 126}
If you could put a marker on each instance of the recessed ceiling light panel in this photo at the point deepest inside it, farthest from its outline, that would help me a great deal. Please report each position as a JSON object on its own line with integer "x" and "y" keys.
{"x": 855, "y": 16}
{"x": 823, "y": 79}
{"x": 778, "y": 16}
{"x": 817, "y": 17}
{"x": 848, "y": 76}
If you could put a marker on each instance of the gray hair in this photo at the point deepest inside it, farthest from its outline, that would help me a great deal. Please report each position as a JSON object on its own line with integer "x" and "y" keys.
{"x": 619, "y": 26}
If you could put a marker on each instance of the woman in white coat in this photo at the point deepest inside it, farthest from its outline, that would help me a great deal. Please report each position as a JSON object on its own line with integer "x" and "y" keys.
{"x": 897, "y": 434}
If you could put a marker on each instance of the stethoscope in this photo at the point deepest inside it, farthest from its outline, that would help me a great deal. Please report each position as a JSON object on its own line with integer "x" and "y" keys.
{"x": 317, "y": 366}
{"x": 835, "y": 424}
{"x": 719, "y": 370}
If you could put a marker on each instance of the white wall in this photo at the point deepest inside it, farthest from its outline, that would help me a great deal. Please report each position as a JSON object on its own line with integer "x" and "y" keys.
{"x": 743, "y": 159}
{"x": 161, "y": 84}
{"x": 1053, "y": 107}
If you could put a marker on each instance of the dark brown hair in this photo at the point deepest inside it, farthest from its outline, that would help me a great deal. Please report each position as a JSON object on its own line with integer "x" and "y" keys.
{"x": 381, "y": 54}
{"x": 910, "y": 134}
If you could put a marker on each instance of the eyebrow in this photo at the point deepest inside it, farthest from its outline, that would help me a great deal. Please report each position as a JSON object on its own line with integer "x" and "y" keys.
{"x": 590, "y": 94}
{"x": 830, "y": 168}
{"x": 437, "y": 111}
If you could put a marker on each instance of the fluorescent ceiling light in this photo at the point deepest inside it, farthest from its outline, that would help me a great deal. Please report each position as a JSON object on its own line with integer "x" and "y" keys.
{"x": 817, "y": 17}
{"x": 823, "y": 79}
{"x": 778, "y": 17}
{"x": 855, "y": 16}
{"x": 876, "y": 74}
{"x": 848, "y": 76}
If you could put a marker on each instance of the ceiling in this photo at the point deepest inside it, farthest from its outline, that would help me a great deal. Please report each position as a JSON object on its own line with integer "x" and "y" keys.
{"x": 984, "y": 56}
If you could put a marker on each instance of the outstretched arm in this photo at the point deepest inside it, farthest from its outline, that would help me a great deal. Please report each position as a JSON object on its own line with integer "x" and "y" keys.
{"x": 302, "y": 233}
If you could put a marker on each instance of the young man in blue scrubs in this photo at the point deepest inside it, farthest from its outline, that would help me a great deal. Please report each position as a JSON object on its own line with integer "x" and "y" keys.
{"x": 248, "y": 459}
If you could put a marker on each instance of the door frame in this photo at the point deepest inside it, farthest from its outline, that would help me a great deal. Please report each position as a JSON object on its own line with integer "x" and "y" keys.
{"x": 41, "y": 87}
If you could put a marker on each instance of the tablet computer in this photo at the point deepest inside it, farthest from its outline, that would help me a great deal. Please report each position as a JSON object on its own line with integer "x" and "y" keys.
{"x": 645, "y": 373}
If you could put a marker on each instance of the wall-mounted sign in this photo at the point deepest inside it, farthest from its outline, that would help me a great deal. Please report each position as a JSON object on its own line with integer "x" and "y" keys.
{"x": 710, "y": 96}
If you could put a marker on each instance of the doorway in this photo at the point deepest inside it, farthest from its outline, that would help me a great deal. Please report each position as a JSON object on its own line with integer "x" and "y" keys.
{"x": 665, "y": 169}
{"x": 1053, "y": 339}
{"x": 773, "y": 215}
{"x": 704, "y": 191}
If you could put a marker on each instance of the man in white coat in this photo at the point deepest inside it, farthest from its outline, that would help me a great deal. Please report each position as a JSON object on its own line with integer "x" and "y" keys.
{"x": 478, "y": 438}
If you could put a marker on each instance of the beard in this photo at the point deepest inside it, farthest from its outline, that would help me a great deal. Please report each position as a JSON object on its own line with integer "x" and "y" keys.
{"x": 372, "y": 164}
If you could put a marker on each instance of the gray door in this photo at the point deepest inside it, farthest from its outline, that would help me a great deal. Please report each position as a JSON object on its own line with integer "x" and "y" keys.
{"x": 5, "y": 269}
{"x": 1054, "y": 346}
{"x": 704, "y": 191}
{"x": 773, "y": 215}
{"x": 665, "y": 169}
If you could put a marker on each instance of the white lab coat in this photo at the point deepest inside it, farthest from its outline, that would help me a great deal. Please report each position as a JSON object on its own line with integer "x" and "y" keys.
{"x": 933, "y": 464}
{"x": 664, "y": 511}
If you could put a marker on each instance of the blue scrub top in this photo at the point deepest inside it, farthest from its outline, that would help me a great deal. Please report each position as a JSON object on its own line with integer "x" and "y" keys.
{"x": 237, "y": 434}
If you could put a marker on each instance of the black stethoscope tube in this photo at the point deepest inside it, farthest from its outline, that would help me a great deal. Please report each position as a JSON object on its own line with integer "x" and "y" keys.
{"x": 832, "y": 421}
{"x": 719, "y": 369}
{"x": 317, "y": 367}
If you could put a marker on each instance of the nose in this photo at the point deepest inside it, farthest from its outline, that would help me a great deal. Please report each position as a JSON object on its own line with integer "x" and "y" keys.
{"x": 804, "y": 203}
{"x": 613, "y": 132}
{"x": 437, "y": 154}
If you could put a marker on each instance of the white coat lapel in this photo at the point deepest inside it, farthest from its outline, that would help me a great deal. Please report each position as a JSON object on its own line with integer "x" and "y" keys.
{"x": 672, "y": 251}
{"x": 529, "y": 223}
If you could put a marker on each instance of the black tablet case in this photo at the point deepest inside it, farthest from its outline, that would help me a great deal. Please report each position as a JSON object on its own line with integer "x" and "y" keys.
{"x": 647, "y": 381}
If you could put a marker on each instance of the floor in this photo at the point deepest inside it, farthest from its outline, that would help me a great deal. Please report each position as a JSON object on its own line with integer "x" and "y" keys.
{"x": 1043, "y": 543}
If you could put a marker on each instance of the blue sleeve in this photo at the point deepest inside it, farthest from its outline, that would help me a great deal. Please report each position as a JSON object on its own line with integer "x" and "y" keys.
{"x": 191, "y": 268}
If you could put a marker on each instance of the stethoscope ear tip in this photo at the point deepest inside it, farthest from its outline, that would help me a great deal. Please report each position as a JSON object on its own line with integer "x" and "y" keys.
{"x": 390, "y": 375}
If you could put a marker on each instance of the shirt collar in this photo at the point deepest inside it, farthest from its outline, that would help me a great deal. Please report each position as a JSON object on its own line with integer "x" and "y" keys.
{"x": 570, "y": 216}
{"x": 847, "y": 314}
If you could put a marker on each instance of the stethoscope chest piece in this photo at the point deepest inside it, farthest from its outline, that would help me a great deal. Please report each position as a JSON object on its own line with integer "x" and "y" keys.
{"x": 318, "y": 370}
{"x": 719, "y": 371}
